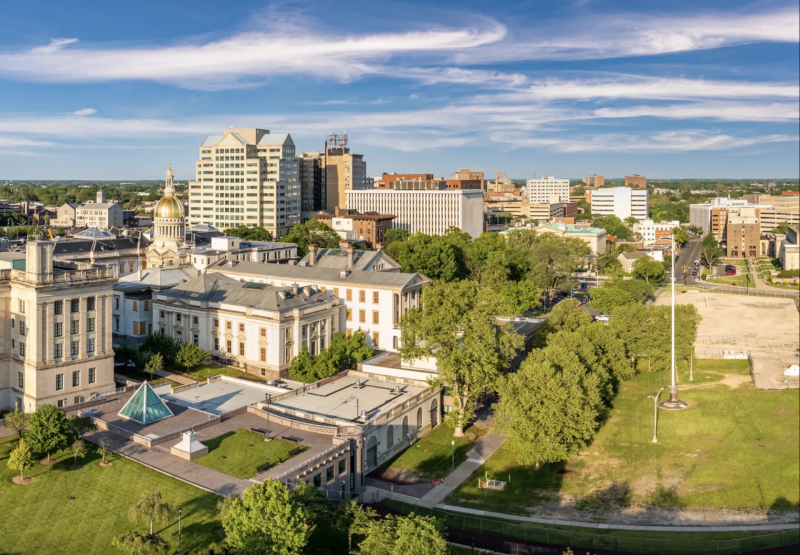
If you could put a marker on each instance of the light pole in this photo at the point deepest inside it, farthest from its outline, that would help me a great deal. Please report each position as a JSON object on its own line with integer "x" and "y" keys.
{"x": 655, "y": 413}
{"x": 453, "y": 443}
{"x": 180, "y": 529}
{"x": 269, "y": 398}
{"x": 673, "y": 403}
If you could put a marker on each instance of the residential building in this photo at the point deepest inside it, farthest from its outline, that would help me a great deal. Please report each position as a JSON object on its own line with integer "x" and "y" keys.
{"x": 57, "y": 342}
{"x": 100, "y": 248}
{"x": 254, "y": 326}
{"x": 628, "y": 259}
{"x": 622, "y": 202}
{"x": 374, "y": 301}
{"x": 594, "y": 181}
{"x": 712, "y": 216}
{"x": 103, "y": 215}
{"x": 346, "y": 257}
{"x": 423, "y": 206}
{"x": 311, "y": 168}
{"x": 636, "y": 181}
{"x": 344, "y": 171}
{"x": 541, "y": 190}
{"x": 744, "y": 234}
{"x": 652, "y": 231}
{"x": 246, "y": 177}
{"x": 353, "y": 226}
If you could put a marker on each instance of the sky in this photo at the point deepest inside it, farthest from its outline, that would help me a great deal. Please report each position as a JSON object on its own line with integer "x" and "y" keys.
{"x": 678, "y": 89}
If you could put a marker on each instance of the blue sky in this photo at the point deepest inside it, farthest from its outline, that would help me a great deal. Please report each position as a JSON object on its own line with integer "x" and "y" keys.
{"x": 567, "y": 88}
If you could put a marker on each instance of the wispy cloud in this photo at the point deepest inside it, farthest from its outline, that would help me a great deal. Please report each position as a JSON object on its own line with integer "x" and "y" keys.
{"x": 720, "y": 111}
{"x": 84, "y": 112}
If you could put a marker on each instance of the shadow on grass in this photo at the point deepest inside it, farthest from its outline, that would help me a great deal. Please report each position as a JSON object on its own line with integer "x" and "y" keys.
{"x": 615, "y": 496}
{"x": 216, "y": 443}
{"x": 781, "y": 506}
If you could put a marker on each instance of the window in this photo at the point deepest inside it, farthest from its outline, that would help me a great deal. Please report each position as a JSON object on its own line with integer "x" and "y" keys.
{"x": 21, "y": 380}
{"x": 21, "y": 306}
{"x": 349, "y": 295}
{"x": 263, "y": 332}
{"x": 92, "y": 375}
{"x": 116, "y": 323}
{"x": 335, "y": 291}
{"x": 375, "y": 297}
{"x": 89, "y": 303}
{"x": 349, "y": 315}
{"x": 178, "y": 318}
{"x": 362, "y": 296}
{"x": 375, "y": 338}
{"x": 162, "y": 314}
{"x": 342, "y": 466}
{"x": 59, "y": 382}
{"x": 195, "y": 339}
{"x": 349, "y": 333}
{"x": 74, "y": 326}
{"x": 90, "y": 324}
{"x": 318, "y": 480}
{"x": 216, "y": 343}
{"x": 22, "y": 327}
{"x": 241, "y": 328}
{"x": 196, "y": 320}
{"x": 90, "y": 345}
{"x": 147, "y": 306}
{"x": 376, "y": 319}
{"x": 395, "y": 343}
{"x": 59, "y": 350}
{"x": 75, "y": 306}
{"x": 263, "y": 354}
{"x": 136, "y": 306}
{"x": 58, "y": 329}
{"x": 21, "y": 349}
{"x": 329, "y": 474}
{"x": 13, "y": 323}
{"x": 389, "y": 437}
{"x": 76, "y": 378}
{"x": 228, "y": 325}
{"x": 241, "y": 348}
{"x": 216, "y": 323}
{"x": 362, "y": 316}
{"x": 230, "y": 347}
{"x": 73, "y": 348}
{"x": 59, "y": 306}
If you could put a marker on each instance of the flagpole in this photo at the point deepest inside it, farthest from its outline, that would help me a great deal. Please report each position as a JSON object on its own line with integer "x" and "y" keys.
{"x": 673, "y": 403}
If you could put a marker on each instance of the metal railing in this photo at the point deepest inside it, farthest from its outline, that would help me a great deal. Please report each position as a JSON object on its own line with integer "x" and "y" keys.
{"x": 311, "y": 462}
{"x": 529, "y": 533}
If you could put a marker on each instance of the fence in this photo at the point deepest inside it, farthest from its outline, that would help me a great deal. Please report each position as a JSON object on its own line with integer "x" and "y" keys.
{"x": 588, "y": 540}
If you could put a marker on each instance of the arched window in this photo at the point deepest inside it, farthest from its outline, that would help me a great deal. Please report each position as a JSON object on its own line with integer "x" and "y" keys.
{"x": 434, "y": 413}
{"x": 405, "y": 427}
{"x": 419, "y": 418}
{"x": 390, "y": 437}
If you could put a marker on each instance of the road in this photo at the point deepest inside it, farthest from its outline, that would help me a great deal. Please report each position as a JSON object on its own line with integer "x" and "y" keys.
{"x": 684, "y": 266}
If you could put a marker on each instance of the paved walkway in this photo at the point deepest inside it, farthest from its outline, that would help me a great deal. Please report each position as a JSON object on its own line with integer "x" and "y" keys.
{"x": 177, "y": 378}
{"x": 161, "y": 461}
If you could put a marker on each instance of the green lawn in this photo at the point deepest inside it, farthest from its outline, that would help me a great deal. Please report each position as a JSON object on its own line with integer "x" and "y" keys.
{"x": 203, "y": 372}
{"x": 138, "y": 375}
{"x": 738, "y": 281}
{"x": 733, "y": 448}
{"x": 240, "y": 452}
{"x": 432, "y": 456}
{"x": 82, "y": 511}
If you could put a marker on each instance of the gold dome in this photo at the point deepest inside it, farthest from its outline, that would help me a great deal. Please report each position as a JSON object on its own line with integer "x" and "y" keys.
{"x": 169, "y": 207}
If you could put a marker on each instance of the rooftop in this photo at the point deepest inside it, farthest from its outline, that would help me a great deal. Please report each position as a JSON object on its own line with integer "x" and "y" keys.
{"x": 362, "y": 260}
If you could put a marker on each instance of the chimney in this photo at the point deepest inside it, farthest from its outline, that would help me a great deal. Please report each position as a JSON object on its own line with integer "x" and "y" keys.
{"x": 379, "y": 247}
{"x": 295, "y": 288}
{"x": 312, "y": 254}
{"x": 344, "y": 244}
{"x": 351, "y": 256}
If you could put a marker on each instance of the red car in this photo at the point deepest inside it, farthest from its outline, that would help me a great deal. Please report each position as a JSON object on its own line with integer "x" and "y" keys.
{"x": 731, "y": 273}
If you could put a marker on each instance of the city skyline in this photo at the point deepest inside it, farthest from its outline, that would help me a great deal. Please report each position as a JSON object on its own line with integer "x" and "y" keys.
{"x": 544, "y": 87}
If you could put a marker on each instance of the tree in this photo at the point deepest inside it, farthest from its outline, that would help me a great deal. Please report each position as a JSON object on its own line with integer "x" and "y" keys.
{"x": 17, "y": 422}
{"x": 313, "y": 232}
{"x": 151, "y": 508}
{"x": 190, "y": 355}
{"x": 302, "y": 367}
{"x": 613, "y": 226}
{"x": 79, "y": 425}
{"x": 457, "y": 325}
{"x": 710, "y": 251}
{"x": 134, "y": 543}
{"x": 249, "y": 233}
{"x": 565, "y": 316}
{"x": 431, "y": 255}
{"x": 49, "y": 431}
{"x": 630, "y": 220}
{"x": 313, "y": 502}
{"x": 681, "y": 235}
{"x": 125, "y": 355}
{"x": 78, "y": 450}
{"x": 154, "y": 364}
{"x": 619, "y": 292}
{"x": 20, "y": 458}
{"x": 405, "y": 535}
{"x": 519, "y": 297}
{"x": 102, "y": 448}
{"x": 342, "y": 353}
{"x": 553, "y": 261}
{"x": 162, "y": 344}
{"x": 355, "y": 518}
{"x": 266, "y": 521}
{"x": 393, "y": 235}
{"x": 651, "y": 271}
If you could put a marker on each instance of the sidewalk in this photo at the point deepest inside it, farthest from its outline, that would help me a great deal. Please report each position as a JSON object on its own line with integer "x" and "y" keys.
{"x": 177, "y": 378}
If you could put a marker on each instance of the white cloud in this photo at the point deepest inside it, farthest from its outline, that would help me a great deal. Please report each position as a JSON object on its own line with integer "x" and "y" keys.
{"x": 11, "y": 141}
{"x": 721, "y": 111}
{"x": 84, "y": 112}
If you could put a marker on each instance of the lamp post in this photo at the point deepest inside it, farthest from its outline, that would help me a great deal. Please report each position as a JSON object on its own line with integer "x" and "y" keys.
{"x": 655, "y": 413}
{"x": 269, "y": 398}
{"x": 180, "y": 529}
{"x": 673, "y": 403}
{"x": 453, "y": 443}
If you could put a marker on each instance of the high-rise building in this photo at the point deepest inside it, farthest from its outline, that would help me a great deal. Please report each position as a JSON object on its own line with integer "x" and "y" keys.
{"x": 712, "y": 216}
{"x": 594, "y": 181}
{"x": 246, "y": 177}
{"x": 622, "y": 202}
{"x": 542, "y": 189}
{"x": 311, "y": 166}
{"x": 636, "y": 181}
{"x": 344, "y": 171}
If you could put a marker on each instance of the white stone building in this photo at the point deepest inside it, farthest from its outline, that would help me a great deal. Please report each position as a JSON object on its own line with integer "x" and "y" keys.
{"x": 622, "y": 202}
{"x": 541, "y": 190}
{"x": 651, "y": 230}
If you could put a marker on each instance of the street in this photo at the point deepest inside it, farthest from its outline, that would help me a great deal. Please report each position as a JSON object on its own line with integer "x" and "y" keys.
{"x": 684, "y": 266}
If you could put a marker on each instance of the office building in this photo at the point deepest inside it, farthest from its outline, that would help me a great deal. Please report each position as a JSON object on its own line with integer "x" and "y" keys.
{"x": 541, "y": 190}
{"x": 712, "y": 216}
{"x": 353, "y": 226}
{"x": 594, "y": 181}
{"x": 636, "y": 181}
{"x": 343, "y": 171}
{"x": 622, "y": 202}
{"x": 100, "y": 214}
{"x": 743, "y": 234}
{"x": 246, "y": 177}
{"x": 423, "y": 206}
{"x": 311, "y": 166}
{"x": 57, "y": 338}
{"x": 652, "y": 231}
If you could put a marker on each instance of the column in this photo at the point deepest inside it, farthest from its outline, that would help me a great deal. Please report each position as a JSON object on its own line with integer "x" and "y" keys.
{"x": 82, "y": 333}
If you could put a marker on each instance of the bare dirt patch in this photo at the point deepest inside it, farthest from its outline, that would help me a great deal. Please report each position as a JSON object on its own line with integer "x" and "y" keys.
{"x": 52, "y": 462}
{"x": 23, "y": 480}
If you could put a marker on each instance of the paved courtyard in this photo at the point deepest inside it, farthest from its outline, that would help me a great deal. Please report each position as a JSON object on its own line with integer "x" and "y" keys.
{"x": 217, "y": 397}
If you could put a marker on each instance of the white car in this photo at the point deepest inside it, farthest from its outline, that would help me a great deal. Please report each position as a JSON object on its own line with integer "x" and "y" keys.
{"x": 602, "y": 318}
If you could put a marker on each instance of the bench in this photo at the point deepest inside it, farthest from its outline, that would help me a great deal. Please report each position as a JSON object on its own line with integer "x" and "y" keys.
{"x": 269, "y": 464}
{"x": 293, "y": 439}
{"x": 261, "y": 431}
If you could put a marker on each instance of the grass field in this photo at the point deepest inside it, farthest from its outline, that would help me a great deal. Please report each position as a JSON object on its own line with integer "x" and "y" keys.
{"x": 81, "y": 511}
{"x": 735, "y": 447}
{"x": 431, "y": 457}
{"x": 203, "y": 372}
{"x": 240, "y": 452}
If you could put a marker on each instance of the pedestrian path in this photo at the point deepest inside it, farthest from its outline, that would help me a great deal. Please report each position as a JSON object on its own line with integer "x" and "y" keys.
{"x": 177, "y": 378}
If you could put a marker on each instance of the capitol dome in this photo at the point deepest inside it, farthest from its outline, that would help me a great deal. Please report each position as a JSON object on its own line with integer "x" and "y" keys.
{"x": 169, "y": 207}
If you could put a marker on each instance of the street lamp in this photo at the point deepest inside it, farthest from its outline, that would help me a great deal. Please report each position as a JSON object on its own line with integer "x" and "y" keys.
{"x": 655, "y": 413}
{"x": 453, "y": 443}
{"x": 180, "y": 544}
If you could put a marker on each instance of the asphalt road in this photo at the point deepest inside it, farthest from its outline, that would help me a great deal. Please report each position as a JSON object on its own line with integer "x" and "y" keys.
{"x": 684, "y": 266}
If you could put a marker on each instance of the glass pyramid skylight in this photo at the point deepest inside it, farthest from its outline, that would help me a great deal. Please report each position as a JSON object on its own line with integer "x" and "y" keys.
{"x": 145, "y": 407}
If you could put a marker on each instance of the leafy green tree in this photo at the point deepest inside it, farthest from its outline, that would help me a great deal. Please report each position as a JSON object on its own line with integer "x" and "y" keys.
{"x": 405, "y": 535}
{"x": 249, "y": 233}
{"x": 154, "y": 364}
{"x": 355, "y": 518}
{"x": 614, "y": 226}
{"x": 553, "y": 261}
{"x": 619, "y": 292}
{"x": 710, "y": 251}
{"x": 313, "y": 502}
{"x": 78, "y": 450}
{"x": 313, "y": 232}
{"x": 20, "y": 458}
{"x": 49, "y": 431}
{"x": 302, "y": 367}
{"x": 266, "y": 521}
{"x": 431, "y": 255}
{"x": 190, "y": 355}
{"x": 565, "y": 316}
{"x": 134, "y": 543}
{"x": 342, "y": 353}
{"x": 630, "y": 220}
{"x": 681, "y": 235}
{"x": 783, "y": 227}
{"x": 17, "y": 422}
{"x": 125, "y": 355}
{"x": 162, "y": 344}
{"x": 457, "y": 325}
{"x": 519, "y": 297}
{"x": 151, "y": 508}
{"x": 393, "y": 235}
{"x": 651, "y": 271}
{"x": 79, "y": 425}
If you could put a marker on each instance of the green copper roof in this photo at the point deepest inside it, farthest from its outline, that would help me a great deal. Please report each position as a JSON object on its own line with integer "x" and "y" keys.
{"x": 145, "y": 406}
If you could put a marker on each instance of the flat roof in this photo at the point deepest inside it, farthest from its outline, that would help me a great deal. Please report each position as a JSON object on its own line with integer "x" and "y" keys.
{"x": 342, "y": 399}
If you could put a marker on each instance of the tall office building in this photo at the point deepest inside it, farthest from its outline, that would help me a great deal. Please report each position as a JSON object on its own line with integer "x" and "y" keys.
{"x": 246, "y": 177}
{"x": 311, "y": 166}
{"x": 622, "y": 202}
{"x": 637, "y": 181}
{"x": 542, "y": 190}
{"x": 594, "y": 181}
{"x": 344, "y": 171}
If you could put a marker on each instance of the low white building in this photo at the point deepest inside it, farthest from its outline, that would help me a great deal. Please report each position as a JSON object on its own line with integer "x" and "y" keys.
{"x": 622, "y": 202}
{"x": 651, "y": 230}
{"x": 235, "y": 248}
